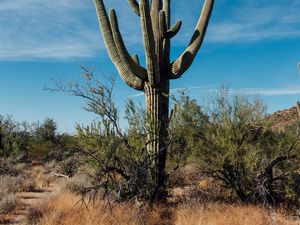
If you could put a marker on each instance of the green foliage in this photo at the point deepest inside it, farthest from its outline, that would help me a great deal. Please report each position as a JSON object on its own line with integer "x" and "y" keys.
{"x": 229, "y": 139}
{"x": 21, "y": 141}
{"x": 236, "y": 147}
{"x": 137, "y": 129}
{"x": 187, "y": 127}
{"x": 15, "y": 138}
{"x": 46, "y": 132}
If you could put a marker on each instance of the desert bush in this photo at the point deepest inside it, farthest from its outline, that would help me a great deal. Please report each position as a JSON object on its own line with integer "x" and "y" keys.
{"x": 232, "y": 142}
{"x": 69, "y": 167}
{"x": 51, "y": 165}
{"x": 23, "y": 141}
{"x": 28, "y": 184}
{"x": 34, "y": 216}
{"x": 10, "y": 184}
{"x": 48, "y": 179}
{"x": 125, "y": 170}
{"x": 7, "y": 168}
{"x": 15, "y": 138}
{"x": 76, "y": 184}
{"x": 8, "y": 202}
{"x": 187, "y": 127}
{"x": 240, "y": 150}
{"x": 21, "y": 167}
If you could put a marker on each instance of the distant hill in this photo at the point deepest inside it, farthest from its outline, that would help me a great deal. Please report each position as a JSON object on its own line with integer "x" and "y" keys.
{"x": 283, "y": 119}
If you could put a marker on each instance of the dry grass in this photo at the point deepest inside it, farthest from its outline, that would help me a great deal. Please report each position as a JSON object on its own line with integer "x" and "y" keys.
{"x": 61, "y": 211}
{"x": 10, "y": 184}
{"x": 8, "y": 202}
{"x": 218, "y": 214}
{"x": 75, "y": 184}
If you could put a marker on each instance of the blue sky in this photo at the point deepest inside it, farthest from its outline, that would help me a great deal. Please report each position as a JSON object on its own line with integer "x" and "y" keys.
{"x": 250, "y": 45}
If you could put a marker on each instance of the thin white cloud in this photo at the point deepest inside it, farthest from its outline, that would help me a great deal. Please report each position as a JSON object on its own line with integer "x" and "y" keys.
{"x": 264, "y": 92}
{"x": 203, "y": 90}
{"x": 178, "y": 90}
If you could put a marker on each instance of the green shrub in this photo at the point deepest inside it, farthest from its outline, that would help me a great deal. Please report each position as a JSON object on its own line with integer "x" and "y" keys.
{"x": 240, "y": 150}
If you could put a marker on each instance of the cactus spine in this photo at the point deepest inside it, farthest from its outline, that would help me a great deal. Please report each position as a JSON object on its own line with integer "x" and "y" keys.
{"x": 154, "y": 80}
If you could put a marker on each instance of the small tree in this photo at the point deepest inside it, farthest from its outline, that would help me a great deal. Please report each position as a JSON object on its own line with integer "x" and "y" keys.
{"x": 15, "y": 138}
{"x": 46, "y": 132}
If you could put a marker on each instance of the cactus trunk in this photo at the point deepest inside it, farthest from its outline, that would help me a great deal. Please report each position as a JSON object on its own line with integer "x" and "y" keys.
{"x": 157, "y": 107}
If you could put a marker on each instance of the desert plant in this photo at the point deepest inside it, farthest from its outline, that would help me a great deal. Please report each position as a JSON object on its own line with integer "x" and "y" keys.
{"x": 187, "y": 126}
{"x": 15, "y": 138}
{"x": 125, "y": 170}
{"x": 242, "y": 152}
{"x": 6, "y": 168}
{"x": 28, "y": 184}
{"x": 46, "y": 131}
{"x": 21, "y": 167}
{"x": 76, "y": 184}
{"x": 10, "y": 184}
{"x": 8, "y": 202}
{"x": 155, "y": 78}
{"x": 69, "y": 167}
{"x": 48, "y": 179}
{"x": 34, "y": 216}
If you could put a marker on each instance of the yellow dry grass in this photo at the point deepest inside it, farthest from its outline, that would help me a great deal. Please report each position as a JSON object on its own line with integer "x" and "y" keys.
{"x": 221, "y": 214}
{"x": 65, "y": 209}
{"x": 60, "y": 210}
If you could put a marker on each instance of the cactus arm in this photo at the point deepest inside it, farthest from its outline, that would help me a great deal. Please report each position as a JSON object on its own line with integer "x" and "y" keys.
{"x": 126, "y": 74}
{"x": 149, "y": 43}
{"x": 135, "y": 6}
{"x": 167, "y": 42}
{"x": 162, "y": 23}
{"x": 123, "y": 53}
{"x": 136, "y": 58}
{"x": 174, "y": 30}
{"x": 181, "y": 65}
{"x": 167, "y": 9}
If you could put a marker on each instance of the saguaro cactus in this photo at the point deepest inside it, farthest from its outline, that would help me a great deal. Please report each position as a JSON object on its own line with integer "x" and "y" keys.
{"x": 155, "y": 77}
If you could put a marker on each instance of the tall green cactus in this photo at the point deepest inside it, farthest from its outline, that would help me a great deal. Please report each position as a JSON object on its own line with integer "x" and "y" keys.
{"x": 154, "y": 79}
